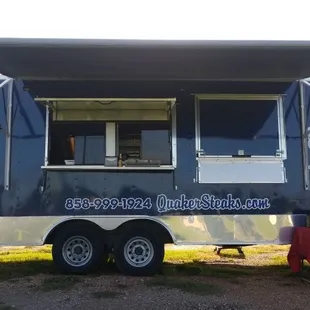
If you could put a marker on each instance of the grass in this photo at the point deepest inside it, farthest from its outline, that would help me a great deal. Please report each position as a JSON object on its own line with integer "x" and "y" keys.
{"x": 257, "y": 260}
{"x": 203, "y": 254}
{"x": 185, "y": 286}
{"x": 17, "y": 263}
{"x": 224, "y": 271}
{"x": 203, "y": 269}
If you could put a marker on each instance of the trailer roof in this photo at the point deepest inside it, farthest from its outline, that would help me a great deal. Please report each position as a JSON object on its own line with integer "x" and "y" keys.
{"x": 86, "y": 59}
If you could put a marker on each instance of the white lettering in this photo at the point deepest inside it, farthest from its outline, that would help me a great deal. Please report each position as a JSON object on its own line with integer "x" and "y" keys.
{"x": 164, "y": 204}
{"x": 210, "y": 202}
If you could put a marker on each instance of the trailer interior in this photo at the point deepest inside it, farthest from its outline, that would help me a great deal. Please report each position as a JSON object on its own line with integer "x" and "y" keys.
{"x": 110, "y": 133}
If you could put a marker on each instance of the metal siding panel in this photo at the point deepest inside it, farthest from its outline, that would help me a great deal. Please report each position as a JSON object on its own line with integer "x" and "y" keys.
{"x": 26, "y": 199}
{"x": 205, "y": 230}
{"x": 241, "y": 172}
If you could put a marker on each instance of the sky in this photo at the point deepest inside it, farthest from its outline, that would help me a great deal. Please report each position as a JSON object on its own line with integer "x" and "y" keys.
{"x": 160, "y": 19}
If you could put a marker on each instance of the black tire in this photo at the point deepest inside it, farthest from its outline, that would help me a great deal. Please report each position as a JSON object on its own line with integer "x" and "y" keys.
{"x": 95, "y": 256}
{"x": 152, "y": 267}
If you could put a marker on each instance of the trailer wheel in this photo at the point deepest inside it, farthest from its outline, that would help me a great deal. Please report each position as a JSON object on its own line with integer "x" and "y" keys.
{"x": 139, "y": 253}
{"x": 77, "y": 251}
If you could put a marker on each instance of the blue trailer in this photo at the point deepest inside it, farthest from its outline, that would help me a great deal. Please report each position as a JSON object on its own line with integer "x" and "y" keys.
{"x": 120, "y": 147}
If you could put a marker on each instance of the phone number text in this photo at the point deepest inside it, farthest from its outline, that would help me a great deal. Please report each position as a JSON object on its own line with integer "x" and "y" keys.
{"x": 108, "y": 203}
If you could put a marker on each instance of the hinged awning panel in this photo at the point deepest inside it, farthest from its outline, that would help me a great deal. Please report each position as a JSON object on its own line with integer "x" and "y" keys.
{"x": 108, "y": 100}
{"x": 60, "y": 59}
{"x": 109, "y": 109}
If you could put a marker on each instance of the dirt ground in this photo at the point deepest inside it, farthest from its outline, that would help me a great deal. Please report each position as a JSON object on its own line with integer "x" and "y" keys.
{"x": 266, "y": 288}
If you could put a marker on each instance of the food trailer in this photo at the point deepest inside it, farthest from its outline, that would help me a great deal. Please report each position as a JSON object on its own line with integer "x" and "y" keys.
{"x": 120, "y": 147}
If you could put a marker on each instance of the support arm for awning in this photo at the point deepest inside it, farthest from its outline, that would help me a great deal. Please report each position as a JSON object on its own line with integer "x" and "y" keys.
{"x": 8, "y": 135}
{"x": 305, "y": 131}
{"x": 306, "y": 81}
{"x": 4, "y": 82}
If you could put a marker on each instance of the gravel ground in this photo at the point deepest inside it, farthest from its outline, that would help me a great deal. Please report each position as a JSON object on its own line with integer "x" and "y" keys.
{"x": 114, "y": 291}
{"x": 134, "y": 293}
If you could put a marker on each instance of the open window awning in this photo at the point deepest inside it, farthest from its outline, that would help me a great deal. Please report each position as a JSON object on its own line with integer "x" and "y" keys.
{"x": 60, "y": 59}
{"x": 109, "y": 109}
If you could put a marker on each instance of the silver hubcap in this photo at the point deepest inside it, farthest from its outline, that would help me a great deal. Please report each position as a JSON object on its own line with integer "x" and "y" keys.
{"x": 138, "y": 252}
{"x": 77, "y": 251}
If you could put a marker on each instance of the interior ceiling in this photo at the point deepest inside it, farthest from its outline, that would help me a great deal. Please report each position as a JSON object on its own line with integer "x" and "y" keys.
{"x": 97, "y": 105}
{"x": 44, "y": 59}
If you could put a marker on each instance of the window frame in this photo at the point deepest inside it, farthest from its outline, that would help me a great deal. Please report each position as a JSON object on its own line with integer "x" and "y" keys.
{"x": 171, "y": 104}
{"x": 203, "y": 158}
{"x": 281, "y": 152}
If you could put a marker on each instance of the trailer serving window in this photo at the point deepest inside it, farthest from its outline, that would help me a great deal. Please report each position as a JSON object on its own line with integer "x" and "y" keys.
{"x": 110, "y": 133}
{"x": 240, "y": 138}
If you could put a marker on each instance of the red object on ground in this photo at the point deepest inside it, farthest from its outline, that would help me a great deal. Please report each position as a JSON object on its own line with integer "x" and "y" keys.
{"x": 300, "y": 248}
